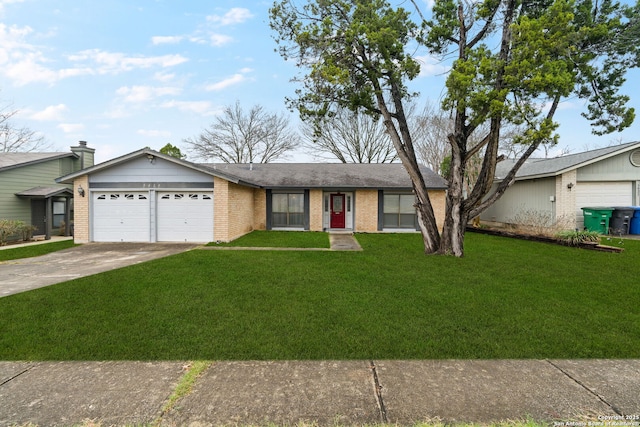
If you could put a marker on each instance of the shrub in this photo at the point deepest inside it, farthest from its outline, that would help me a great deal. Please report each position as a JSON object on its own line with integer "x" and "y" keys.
{"x": 537, "y": 223}
{"x": 8, "y": 228}
{"x": 575, "y": 237}
{"x": 13, "y": 228}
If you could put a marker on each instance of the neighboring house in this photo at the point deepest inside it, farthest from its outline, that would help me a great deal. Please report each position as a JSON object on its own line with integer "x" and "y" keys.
{"x": 29, "y": 192}
{"x": 561, "y": 186}
{"x": 147, "y": 196}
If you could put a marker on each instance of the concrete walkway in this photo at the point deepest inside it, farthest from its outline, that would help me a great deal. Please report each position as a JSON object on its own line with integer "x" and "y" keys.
{"x": 31, "y": 273}
{"x": 326, "y": 393}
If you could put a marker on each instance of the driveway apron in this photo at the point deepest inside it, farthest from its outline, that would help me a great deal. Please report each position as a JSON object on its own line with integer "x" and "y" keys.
{"x": 31, "y": 273}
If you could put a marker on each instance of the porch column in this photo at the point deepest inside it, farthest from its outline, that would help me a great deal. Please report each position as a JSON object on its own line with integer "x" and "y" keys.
{"x": 67, "y": 216}
{"x": 48, "y": 218}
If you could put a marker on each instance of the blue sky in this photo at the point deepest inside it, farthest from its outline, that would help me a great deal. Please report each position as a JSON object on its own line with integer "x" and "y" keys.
{"x": 127, "y": 74}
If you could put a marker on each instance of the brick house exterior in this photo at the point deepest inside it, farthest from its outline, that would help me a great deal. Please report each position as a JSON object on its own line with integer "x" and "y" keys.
{"x": 148, "y": 196}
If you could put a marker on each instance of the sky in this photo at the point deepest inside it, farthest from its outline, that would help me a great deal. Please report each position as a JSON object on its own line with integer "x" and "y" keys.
{"x": 128, "y": 74}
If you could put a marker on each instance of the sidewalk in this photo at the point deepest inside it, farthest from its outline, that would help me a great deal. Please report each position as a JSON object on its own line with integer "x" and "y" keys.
{"x": 601, "y": 392}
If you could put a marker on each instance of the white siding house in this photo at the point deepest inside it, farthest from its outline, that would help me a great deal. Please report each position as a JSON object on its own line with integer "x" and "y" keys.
{"x": 560, "y": 187}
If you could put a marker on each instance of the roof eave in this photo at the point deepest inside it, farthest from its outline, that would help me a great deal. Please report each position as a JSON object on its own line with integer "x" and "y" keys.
{"x": 35, "y": 162}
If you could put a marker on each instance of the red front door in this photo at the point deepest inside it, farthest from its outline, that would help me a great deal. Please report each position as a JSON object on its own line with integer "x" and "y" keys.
{"x": 337, "y": 211}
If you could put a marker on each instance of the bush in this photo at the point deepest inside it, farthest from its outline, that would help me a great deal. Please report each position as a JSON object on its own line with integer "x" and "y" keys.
{"x": 537, "y": 223}
{"x": 576, "y": 237}
{"x": 8, "y": 228}
{"x": 13, "y": 228}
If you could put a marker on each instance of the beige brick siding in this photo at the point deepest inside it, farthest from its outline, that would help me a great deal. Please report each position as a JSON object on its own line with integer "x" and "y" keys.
{"x": 366, "y": 219}
{"x": 316, "y": 209}
{"x": 566, "y": 198}
{"x": 234, "y": 210}
{"x": 259, "y": 209}
{"x": 81, "y": 210}
{"x": 438, "y": 202}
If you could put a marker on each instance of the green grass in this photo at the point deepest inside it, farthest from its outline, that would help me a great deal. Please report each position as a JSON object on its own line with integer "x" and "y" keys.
{"x": 34, "y": 250}
{"x": 280, "y": 239}
{"x": 505, "y": 299}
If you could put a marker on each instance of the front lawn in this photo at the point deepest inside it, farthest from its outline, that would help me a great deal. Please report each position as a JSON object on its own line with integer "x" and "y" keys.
{"x": 29, "y": 251}
{"x": 280, "y": 239}
{"x": 505, "y": 299}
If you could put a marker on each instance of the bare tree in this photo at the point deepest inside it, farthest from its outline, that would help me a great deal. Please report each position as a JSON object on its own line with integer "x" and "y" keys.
{"x": 239, "y": 137}
{"x": 350, "y": 137}
{"x": 18, "y": 139}
{"x": 430, "y": 129}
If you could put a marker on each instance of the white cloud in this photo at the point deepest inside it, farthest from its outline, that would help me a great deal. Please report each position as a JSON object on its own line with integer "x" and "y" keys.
{"x": 154, "y": 133}
{"x": 164, "y": 77}
{"x": 24, "y": 63}
{"x": 236, "y": 15}
{"x": 220, "y": 40}
{"x": 71, "y": 127}
{"x": 5, "y": 2}
{"x": 430, "y": 66}
{"x": 114, "y": 62}
{"x": 52, "y": 112}
{"x": 230, "y": 81}
{"x": 204, "y": 108}
{"x": 145, "y": 93}
{"x": 166, "y": 39}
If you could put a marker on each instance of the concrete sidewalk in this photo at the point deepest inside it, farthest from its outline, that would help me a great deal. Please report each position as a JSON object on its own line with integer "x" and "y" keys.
{"x": 600, "y": 392}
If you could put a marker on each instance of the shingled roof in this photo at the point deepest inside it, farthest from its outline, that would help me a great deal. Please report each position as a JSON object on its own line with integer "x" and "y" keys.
{"x": 14, "y": 160}
{"x": 326, "y": 175}
{"x": 540, "y": 168}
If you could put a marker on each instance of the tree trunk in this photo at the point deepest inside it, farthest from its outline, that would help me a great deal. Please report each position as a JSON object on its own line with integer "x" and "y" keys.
{"x": 456, "y": 217}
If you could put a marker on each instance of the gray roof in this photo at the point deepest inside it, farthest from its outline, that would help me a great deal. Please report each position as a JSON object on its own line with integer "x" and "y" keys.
{"x": 539, "y": 168}
{"x": 14, "y": 160}
{"x": 290, "y": 175}
{"x": 44, "y": 192}
{"x": 326, "y": 175}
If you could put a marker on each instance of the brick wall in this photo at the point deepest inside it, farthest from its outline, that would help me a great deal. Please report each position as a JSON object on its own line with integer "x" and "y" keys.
{"x": 316, "y": 208}
{"x": 366, "y": 219}
{"x": 81, "y": 210}
{"x": 259, "y": 209}
{"x": 566, "y": 198}
{"x": 220, "y": 209}
{"x": 233, "y": 210}
{"x": 438, "y": 202}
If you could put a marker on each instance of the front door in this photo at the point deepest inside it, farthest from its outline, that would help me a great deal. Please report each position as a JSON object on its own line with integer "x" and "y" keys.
{"x": 337, "y": 211}
{"x": 39, "y": 215}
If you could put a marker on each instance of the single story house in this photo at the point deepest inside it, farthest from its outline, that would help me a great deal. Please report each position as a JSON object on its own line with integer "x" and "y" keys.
{"x": 146, "y": 196}
{"x": 30, "y": 193}
{"x": 559, "y": 187}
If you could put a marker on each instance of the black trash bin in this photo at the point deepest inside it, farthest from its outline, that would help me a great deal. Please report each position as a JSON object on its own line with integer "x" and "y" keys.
{"x": 620, "y": 220}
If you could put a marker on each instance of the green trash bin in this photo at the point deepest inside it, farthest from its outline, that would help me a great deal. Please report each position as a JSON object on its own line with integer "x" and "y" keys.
{"x": 597, "y": 219}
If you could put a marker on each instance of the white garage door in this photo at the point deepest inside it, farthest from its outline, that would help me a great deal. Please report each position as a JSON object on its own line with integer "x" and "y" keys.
{"x": 602, "y": 194}
{"x": 121, "y": 217}
{"x": 185, "y": 216}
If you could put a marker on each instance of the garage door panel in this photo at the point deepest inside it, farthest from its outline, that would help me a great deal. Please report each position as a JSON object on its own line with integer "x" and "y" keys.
{"x": 185, "y": 216}
{"x": 121, "y": 217}
{"x": 602, "y": 194}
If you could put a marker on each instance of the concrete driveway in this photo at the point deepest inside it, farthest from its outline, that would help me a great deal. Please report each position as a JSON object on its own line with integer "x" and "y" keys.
{"x": 32, "y": 273}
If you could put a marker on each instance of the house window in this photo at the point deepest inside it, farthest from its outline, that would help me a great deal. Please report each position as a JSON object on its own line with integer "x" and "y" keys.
{"x": 399, "y": 211}
{"x": 58, "y": 214}
{"x": 288, "y": 210}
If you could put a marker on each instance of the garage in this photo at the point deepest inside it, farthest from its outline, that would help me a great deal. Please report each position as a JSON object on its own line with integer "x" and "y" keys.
{"x": 184, "y": 216}
{"x": 602, "y": 194}
{"x": 121, "y": 217}
{"x": 180, "y": 216}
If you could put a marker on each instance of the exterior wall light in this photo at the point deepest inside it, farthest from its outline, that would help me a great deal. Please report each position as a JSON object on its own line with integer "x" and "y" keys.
{"x": 80, "y": 191}
{"x": 570, "y": 186}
